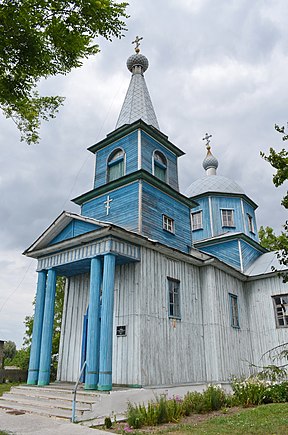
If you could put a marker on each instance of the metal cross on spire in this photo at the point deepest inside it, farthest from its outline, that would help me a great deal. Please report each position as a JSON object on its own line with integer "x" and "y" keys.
{"x": 137, "y": 42}
{"x": 207, "y": 138}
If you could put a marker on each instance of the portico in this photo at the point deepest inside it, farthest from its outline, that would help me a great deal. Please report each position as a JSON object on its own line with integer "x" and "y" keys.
{"x": 94, "y": 253}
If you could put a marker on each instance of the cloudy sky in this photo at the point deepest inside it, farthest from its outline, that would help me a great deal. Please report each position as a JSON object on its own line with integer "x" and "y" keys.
{"x": 216, "y": 66}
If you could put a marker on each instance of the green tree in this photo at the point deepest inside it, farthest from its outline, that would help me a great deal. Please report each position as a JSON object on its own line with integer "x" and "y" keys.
{"x": 9, "y": 351}
{"x": 43, "y": 38}
{"x": 268, "y": 239}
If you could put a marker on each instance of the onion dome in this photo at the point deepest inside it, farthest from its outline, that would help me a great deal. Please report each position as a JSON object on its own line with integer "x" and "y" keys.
{"x": 137, "y": 60}
{"x": 210, "y": 162}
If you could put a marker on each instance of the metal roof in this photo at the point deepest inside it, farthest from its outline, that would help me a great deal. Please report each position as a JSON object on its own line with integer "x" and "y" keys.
{"x": 265, "y": 264}
{"x": 137, "y": 103}
{"x": 213, "y": 183}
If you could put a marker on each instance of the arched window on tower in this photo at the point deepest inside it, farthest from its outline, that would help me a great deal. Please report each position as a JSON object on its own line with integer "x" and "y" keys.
{"x": 115, "y": 165}
{"x": 159, "y": 165}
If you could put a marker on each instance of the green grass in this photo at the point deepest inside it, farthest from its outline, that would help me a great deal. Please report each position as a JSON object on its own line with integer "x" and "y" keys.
{"x": 6, "y": 387}
{"x": 269, "y": 419}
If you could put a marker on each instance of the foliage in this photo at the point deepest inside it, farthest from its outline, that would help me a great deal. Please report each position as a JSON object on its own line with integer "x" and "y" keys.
{"x": 42, "y": 38}
{"x": 6, "y": 387}
{"x": 107, "y": 422}
{"x": 165, "y": 410}
{"x": 9, "y": 351}
{"x": 279, "y": 161}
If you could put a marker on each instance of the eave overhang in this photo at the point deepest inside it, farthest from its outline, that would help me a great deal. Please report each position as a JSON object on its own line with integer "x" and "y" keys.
{"x": 129, "y": 128}
{"x": 134, "y": 176}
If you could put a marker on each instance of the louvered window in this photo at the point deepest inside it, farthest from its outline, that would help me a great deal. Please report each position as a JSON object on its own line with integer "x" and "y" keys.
{"x": 115, "y": 165}
{"x": 160, "y": 165}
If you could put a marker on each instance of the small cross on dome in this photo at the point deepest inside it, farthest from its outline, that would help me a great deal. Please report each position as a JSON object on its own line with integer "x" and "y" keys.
{"x": 137, "y": 42}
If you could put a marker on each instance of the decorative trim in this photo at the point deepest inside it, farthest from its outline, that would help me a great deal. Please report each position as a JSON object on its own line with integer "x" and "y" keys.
{"x": 139, "y": 149}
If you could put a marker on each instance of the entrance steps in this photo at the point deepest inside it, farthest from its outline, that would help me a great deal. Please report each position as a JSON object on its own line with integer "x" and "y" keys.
{"x": 55, "y": 400}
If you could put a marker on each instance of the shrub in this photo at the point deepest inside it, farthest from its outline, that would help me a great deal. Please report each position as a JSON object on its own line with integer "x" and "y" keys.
{"x": 108, "y": 422}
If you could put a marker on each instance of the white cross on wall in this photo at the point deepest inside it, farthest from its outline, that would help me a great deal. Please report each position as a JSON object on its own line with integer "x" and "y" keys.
{"x": 107, "y": 204}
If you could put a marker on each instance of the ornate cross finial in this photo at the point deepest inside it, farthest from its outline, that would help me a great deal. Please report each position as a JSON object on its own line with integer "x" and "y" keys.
{"x": 137, "y": 42}
{"x": 207, "y": 138}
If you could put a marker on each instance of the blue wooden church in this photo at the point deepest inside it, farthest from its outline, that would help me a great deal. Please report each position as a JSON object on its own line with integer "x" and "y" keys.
{"x": 162, "y": 288}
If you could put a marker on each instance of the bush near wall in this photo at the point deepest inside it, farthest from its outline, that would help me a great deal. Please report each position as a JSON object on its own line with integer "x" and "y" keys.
{"x": 13, "y": 375}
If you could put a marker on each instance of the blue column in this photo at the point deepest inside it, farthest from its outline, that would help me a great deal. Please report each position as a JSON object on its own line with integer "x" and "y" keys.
{"x": 37, "y": 329}
{"x": 106, "y": 333}
{"x": 47, "y": 332}
{"x": 93, "y": 333}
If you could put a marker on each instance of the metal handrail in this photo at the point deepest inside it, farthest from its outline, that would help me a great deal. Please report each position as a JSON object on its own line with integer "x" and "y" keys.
{"x": 73, "y": 418}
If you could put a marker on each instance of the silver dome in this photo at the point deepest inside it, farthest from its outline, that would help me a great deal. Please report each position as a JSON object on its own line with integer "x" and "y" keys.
{"x": 137, "y": 60}
{"x": 213, "y": 183}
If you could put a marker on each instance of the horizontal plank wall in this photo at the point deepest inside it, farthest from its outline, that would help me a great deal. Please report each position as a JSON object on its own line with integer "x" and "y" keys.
{"x": 74, "y": 229}
{"x": 264, "y": 333}
{"x": 148, "y": 146}
{"x": 249, "y": 254}
{"x": 75, "y": 306}
{"x": 123, "y": 207}
{"x": 129, "y": 144}
{"x": 155, "y": 203}
{"x": 218, "y": 203}
{"x": 205, "y": 232}
{"x": 227, "y": 348}
{"x": 172, "y": 351}
{"x": 226, "y": 251}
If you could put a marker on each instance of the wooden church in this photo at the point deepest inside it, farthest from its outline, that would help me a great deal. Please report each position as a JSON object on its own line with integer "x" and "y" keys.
{"x": 162, "y": 288}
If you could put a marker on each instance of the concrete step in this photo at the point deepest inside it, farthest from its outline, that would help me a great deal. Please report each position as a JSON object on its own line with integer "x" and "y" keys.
{"x": 33, "y": 409}
{"x": 38, "y": 392}
{"x": 45, "y": 402}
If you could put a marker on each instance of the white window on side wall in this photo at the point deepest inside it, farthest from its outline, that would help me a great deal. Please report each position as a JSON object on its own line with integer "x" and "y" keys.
{"x": 234, "y": 312}
{"x": 168, "y": 224}
{"x": 280, "y": 303}
{"x": 227, "y": 216}
{"x": 197, "y": 223}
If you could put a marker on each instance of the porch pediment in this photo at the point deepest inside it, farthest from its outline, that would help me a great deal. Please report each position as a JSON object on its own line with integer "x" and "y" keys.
{"x": 66, "y": 226}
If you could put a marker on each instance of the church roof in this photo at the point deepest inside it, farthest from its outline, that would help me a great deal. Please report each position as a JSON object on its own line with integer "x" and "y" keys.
{"x": 213, "y": 183}
{"x": 137, "y": 103}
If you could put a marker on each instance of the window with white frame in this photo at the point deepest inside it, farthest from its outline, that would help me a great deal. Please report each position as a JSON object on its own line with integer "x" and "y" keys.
{"x": 115, "y": 165}
{"x": 197, "y": 220}
{"x": 281, "y": 310}
{"x": 159, "y": 165}
{"x": 168, "y": 224}
{"x": 174, "y": 297}
{"x": 227, "y": 217}
{"x": 234, "y": 310}
{"x": 250, "y": 223}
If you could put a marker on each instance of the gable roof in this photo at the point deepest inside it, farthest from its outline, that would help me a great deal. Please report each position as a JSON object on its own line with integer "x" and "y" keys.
{"x": 58, "y": 226}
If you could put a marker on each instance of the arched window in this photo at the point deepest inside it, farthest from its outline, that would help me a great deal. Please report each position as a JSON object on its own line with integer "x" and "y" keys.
{"x": 115, "y": 165}
{"x": 160, "y": 165}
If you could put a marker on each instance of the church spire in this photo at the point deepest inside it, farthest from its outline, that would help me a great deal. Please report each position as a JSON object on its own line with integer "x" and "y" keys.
{"x": 137, "y": 103}
{"x": 210, "y": 163}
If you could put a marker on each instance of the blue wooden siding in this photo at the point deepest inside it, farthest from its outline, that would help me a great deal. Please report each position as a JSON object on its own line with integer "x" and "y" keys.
{"x": 156, "y": 203}
{"x": 129, "y": 144}
{"x": 148, "y": 146}
{"x": 74, "y": 229}
{"x": 225, "y": 251}
{"x": 204, "y": 233}
{"x": 218, "y": 203}
{"x": 123, "y": 208}
{"x": 250, "y": 210}
{"x": 249, "y": 254}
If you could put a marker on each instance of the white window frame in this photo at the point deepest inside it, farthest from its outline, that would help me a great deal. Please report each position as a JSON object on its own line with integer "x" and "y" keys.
{"x": 168, "y": 224}
{"x": 234, "y": 311}
{"x": 198, "y": 223}
{"x": 226, "y": 220}
{"x": 173, "y": 298}
{"x": 250, "y": 223}
{"x": 280, "y": 303}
